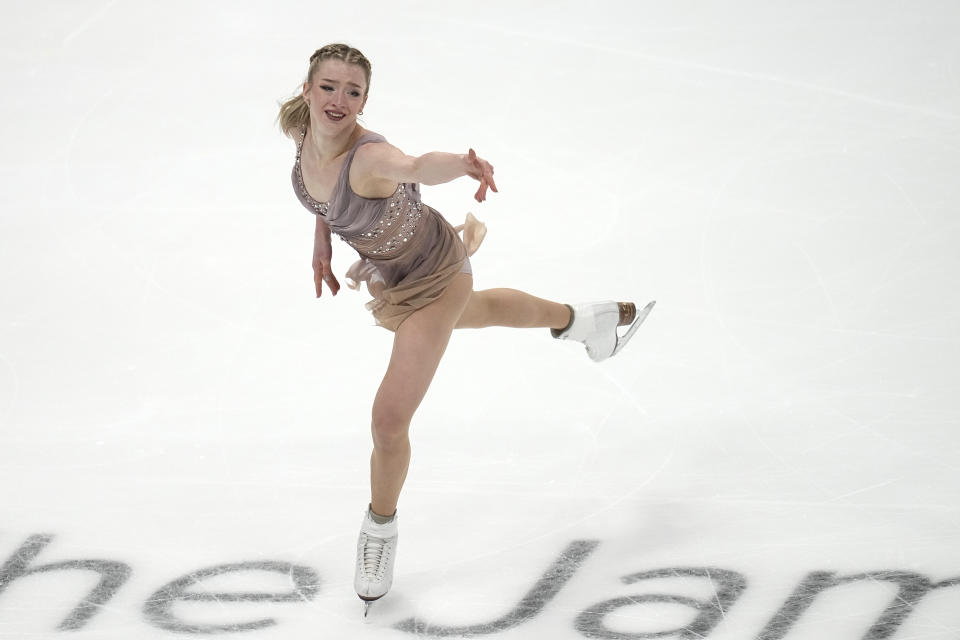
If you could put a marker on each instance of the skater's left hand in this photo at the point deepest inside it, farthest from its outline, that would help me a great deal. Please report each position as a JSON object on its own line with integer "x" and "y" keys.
{"x": 482, "y": 171}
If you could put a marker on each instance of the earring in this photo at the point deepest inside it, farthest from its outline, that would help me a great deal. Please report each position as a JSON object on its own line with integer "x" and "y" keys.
{"x": 360, "y": 113}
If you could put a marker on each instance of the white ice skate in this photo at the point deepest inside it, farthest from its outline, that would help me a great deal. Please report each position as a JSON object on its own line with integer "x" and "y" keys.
{"x": 595, "y": 325}
{"x": 376, "y": 551}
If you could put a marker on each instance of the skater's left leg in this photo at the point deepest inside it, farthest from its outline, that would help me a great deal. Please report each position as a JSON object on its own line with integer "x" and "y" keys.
{"x": 512, "y": 308}
{"x": 593, "y": 324}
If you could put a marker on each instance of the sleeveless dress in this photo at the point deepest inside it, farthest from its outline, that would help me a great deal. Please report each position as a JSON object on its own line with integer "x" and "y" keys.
{"x": 409, "y": 253}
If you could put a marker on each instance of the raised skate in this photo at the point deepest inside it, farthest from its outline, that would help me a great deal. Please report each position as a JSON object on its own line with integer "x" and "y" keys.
{"x": 376, "y": 552}
{"x": 595, "y": 325}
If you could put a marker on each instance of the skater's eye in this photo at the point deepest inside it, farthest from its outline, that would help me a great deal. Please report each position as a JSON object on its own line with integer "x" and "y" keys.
{"x": 326, "y": 87}
{"x": 355, "y": 93}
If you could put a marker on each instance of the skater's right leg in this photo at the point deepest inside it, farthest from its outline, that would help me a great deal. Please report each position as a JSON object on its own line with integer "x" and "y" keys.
{"x": 419, "y": 344}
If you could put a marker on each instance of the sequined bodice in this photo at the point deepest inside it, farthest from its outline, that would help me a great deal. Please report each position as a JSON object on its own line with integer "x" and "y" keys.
{"x": 319, "y": 208}
{"x": 375, "y": 227}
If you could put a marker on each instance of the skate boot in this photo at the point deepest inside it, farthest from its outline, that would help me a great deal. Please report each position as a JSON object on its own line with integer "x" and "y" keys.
{"x": 376, "y": 551}
{"x": 595, "y": 325}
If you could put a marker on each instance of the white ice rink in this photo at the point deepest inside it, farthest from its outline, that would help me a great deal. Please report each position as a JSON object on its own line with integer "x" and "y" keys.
{"x": 184, "y": 427}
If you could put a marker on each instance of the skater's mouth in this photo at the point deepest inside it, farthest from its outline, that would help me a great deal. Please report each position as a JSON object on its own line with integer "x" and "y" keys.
{"x": 336, "y": 116}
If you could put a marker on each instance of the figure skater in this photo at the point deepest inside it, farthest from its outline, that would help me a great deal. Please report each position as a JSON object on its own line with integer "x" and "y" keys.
{"x": 415, "y": 266}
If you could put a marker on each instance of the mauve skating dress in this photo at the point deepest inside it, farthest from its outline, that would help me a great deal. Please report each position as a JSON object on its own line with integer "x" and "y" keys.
{"x": 402, "y": 241}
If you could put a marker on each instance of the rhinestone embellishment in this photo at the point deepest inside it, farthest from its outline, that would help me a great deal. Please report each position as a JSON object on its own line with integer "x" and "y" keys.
{"x": 389, "y": 233}
{"x": 319, "y": 208}
{"x": 395, "y": 227}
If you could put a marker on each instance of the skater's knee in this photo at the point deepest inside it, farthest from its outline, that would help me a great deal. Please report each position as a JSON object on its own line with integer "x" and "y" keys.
{"x": 390, "y": 429}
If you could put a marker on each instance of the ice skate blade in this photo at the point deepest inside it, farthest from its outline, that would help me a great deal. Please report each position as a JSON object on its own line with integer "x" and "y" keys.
{"x": 632, "y": 329}
{"x": 641, "y": 316}
{"x": 367, "y": 605}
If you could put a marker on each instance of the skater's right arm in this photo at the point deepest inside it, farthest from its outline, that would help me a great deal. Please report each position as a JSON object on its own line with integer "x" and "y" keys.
{"x": 322, "y": 253}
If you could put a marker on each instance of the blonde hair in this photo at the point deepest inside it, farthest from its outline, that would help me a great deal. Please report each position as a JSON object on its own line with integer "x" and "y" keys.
{"x": 294, "y": 113}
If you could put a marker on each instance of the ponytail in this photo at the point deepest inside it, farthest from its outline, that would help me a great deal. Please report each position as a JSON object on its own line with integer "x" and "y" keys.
{"x": 294, "y": 114}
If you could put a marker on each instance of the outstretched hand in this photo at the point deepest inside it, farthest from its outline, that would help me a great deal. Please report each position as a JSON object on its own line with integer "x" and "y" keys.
{"x": 482, "y": 171}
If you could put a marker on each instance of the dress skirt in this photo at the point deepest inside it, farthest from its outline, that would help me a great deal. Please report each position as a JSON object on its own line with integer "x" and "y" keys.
{"x": 406, "y": 282}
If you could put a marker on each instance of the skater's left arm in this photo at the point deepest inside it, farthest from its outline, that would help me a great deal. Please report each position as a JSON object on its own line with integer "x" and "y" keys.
{"x": 383, "y": 160}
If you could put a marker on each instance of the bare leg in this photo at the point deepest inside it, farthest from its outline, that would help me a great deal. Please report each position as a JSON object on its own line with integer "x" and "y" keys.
{"x": 418, "y": 345}
{"x": 512, "y": 308}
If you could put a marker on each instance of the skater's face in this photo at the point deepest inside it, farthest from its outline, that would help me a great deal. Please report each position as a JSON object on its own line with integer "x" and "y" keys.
{"x": 336, "y": 94}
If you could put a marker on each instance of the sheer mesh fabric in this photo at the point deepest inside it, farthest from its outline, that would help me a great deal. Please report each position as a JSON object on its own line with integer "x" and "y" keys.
{"x": 409, "y": 253}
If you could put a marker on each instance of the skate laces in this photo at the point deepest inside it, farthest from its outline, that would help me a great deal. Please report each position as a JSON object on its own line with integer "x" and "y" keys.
{"x": 375, "y": 555}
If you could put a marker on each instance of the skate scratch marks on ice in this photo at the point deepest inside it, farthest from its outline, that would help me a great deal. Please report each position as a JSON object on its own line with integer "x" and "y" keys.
{"x": 711, "y": 69}
{"x": 86, "y": 24}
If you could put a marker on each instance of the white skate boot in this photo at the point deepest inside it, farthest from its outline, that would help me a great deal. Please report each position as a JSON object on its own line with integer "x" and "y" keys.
{"x": 376, "y": 551}
{"x": 595, "y": 325}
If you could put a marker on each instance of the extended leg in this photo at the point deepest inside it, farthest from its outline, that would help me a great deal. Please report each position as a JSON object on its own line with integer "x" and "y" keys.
{"x": 512, "y": 308}
{"x": 593, "y": 324}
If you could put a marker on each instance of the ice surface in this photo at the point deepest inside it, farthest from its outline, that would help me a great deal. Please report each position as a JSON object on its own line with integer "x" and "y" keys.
{"x": 184, "y": 427}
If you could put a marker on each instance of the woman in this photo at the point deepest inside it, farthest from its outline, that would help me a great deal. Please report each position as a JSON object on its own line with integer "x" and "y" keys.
{"x": 415, "y": 266}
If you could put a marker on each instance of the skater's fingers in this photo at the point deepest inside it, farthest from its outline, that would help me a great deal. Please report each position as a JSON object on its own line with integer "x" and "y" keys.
{"x": 318, "y": 279}
{"x": 481, "y": 194}
{"x": 332, "y": 282}
{"x": 323, "y": 273}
